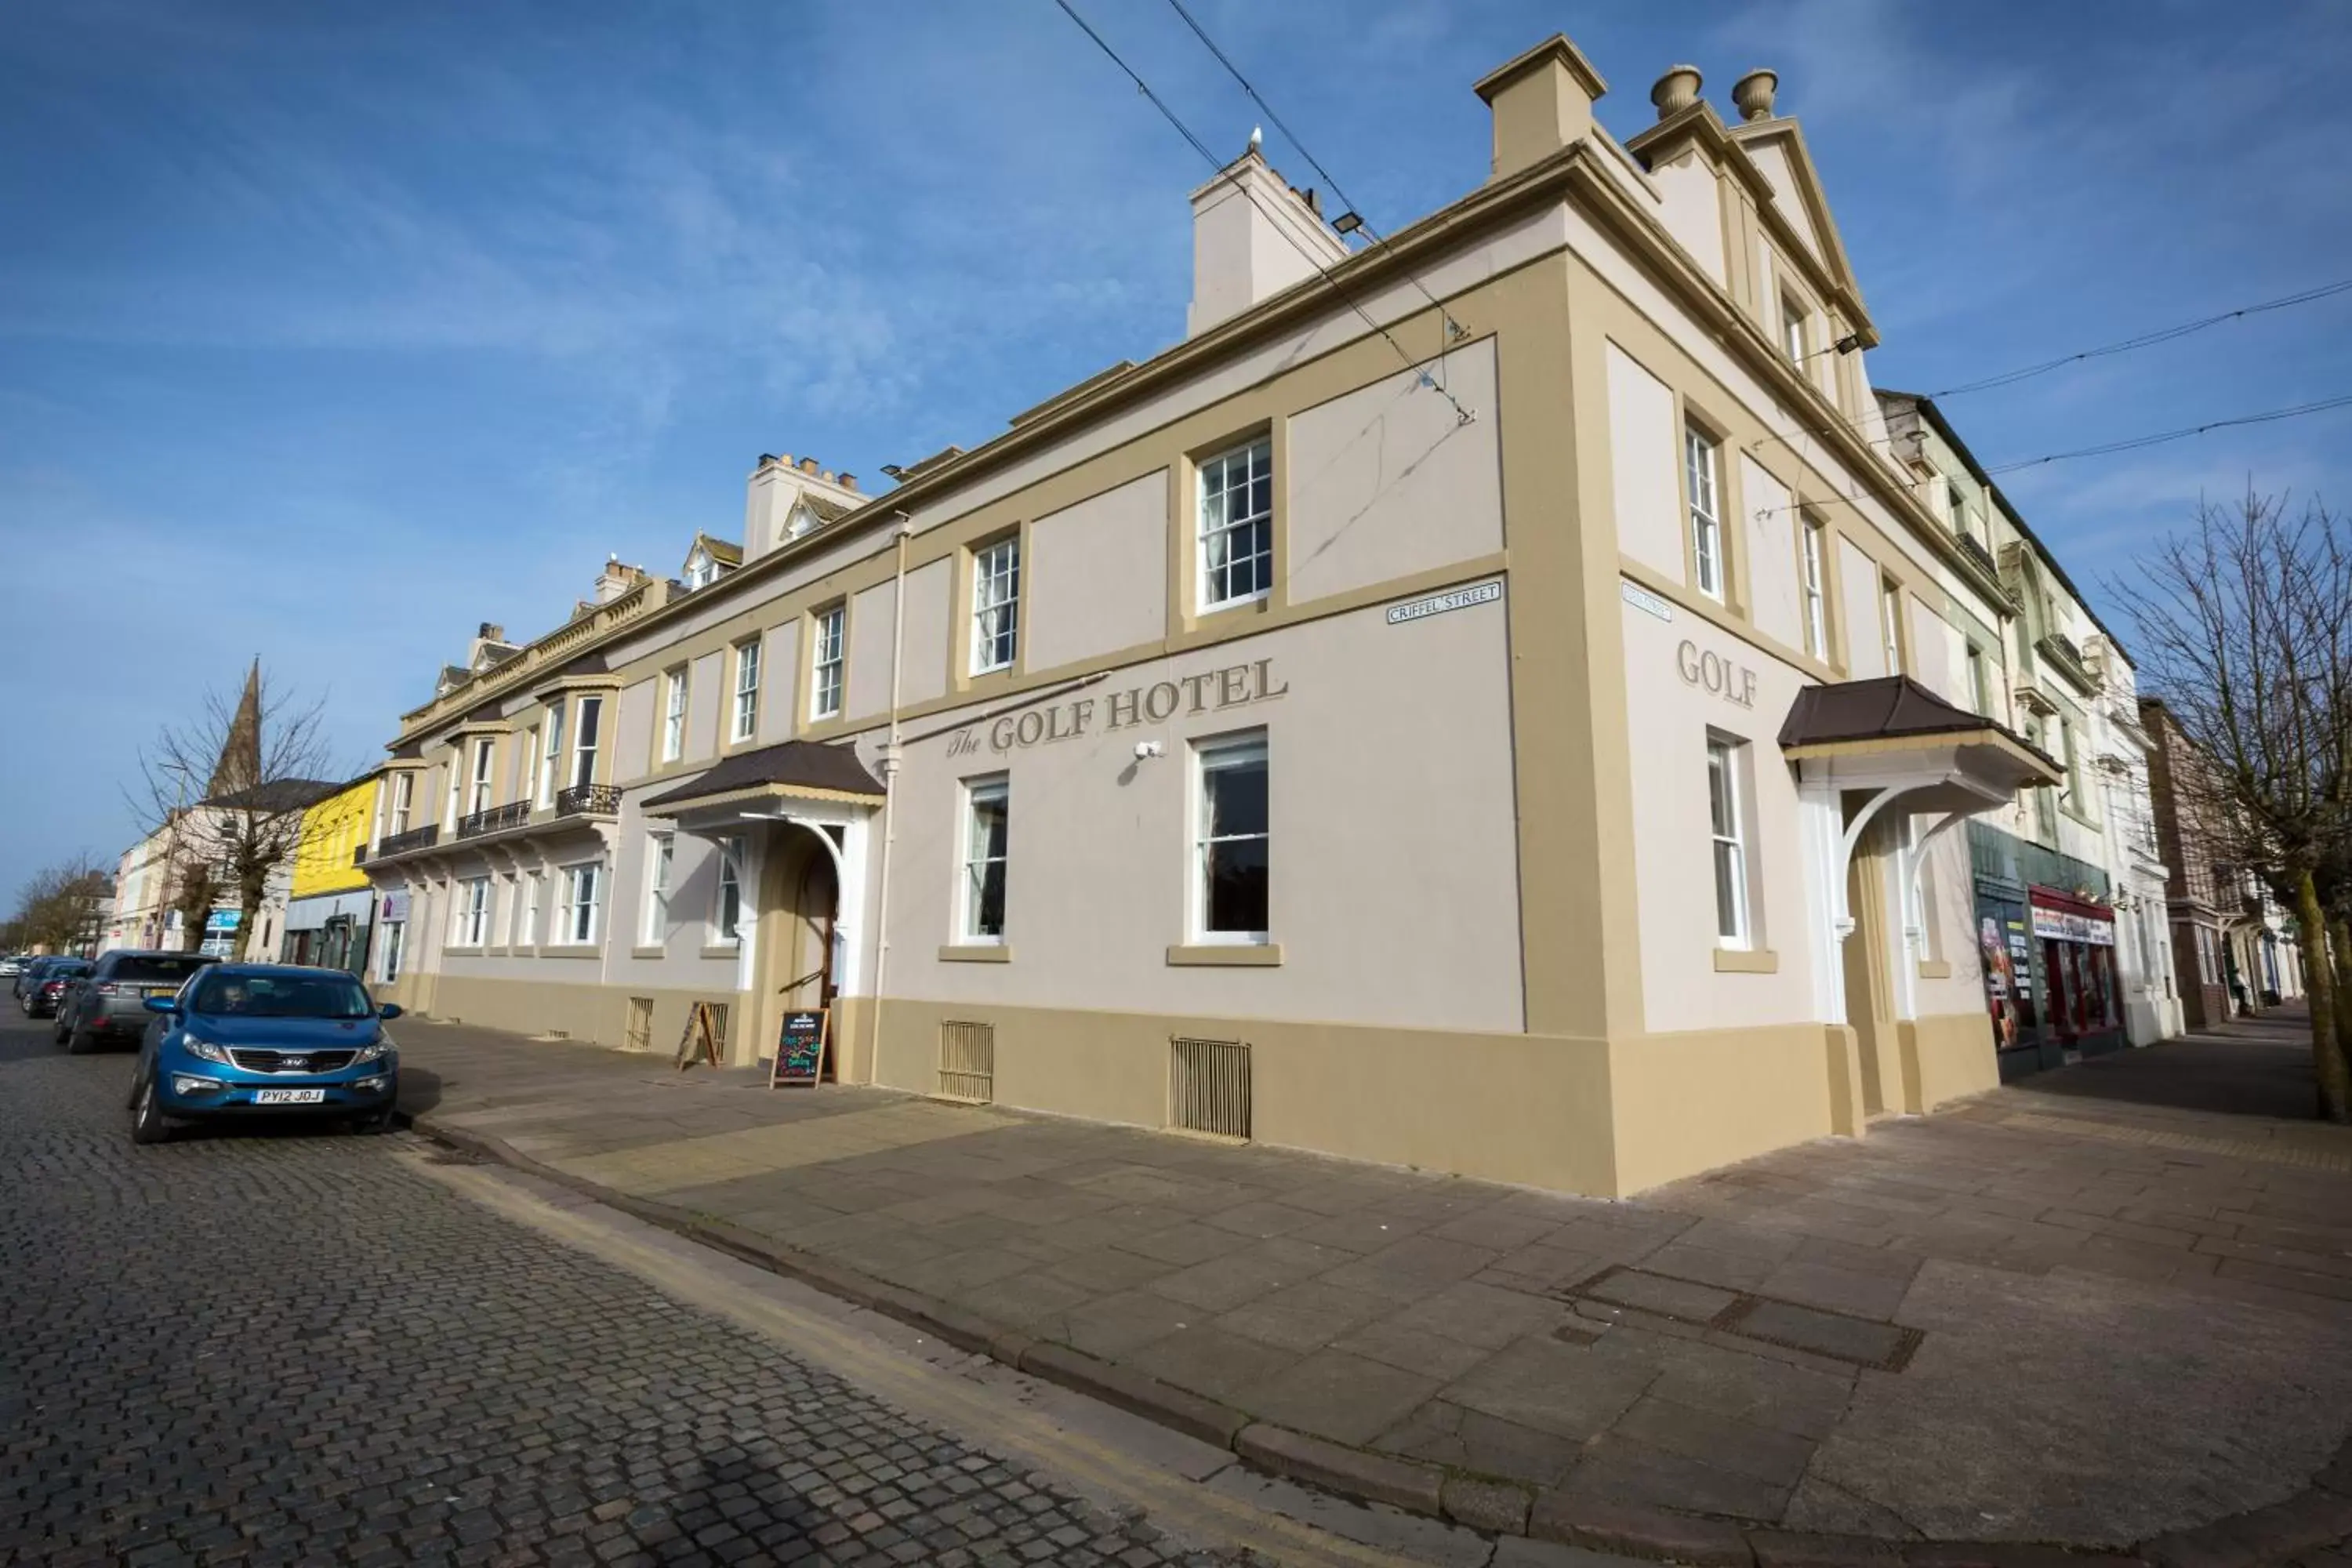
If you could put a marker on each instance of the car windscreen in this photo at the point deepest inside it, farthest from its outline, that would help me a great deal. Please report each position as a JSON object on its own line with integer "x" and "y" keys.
{"x": 281, "y": 996}
{"x": 146, "y": 970}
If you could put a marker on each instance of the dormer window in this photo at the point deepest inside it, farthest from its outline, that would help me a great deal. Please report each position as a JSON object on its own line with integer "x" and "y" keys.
{"x": 802, "y": 520}
{"x": 700, "y": 569}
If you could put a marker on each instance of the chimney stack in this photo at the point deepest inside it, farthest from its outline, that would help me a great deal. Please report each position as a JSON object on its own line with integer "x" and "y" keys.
{"x": 491, "y": 631}
{"x": 1252, "y": 236}
{"x": 848, "y": 481}
{"x": 808, "y": 465}
{"x": 1542, "y": 101}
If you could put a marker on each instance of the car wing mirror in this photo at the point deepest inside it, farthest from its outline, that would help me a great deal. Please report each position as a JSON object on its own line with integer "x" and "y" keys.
{"x": 166, "y": 1006}
{"x": 388, "y": 1011}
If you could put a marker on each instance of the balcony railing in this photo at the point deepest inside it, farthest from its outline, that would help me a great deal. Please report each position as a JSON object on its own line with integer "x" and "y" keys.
{"x": 514, "y": 814}
{"x": 423, "y": 838}
{"x": 592, "y": 800}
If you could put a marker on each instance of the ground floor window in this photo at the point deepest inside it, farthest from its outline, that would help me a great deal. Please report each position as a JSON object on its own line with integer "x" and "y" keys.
{"x": 576, "y": 920}
{"x": 727, "y": 913}
{"x": 1727, "y": 824}
{"x": 526, "y": 921}
{"x": 395, "y": 938}
{"x": 471, "y": 924}
{"x": 986, "y": 827}
{"x": 1234, "y": 839}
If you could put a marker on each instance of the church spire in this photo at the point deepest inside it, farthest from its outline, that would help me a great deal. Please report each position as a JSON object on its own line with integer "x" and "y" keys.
{"x": 239, "y": 767}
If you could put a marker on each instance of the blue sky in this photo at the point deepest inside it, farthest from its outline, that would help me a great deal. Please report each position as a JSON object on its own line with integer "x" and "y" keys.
{"x": 328, "y": 331}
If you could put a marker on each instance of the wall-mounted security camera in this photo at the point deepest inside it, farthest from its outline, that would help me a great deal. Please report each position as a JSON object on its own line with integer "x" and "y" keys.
{"x": 1145, "y": 750}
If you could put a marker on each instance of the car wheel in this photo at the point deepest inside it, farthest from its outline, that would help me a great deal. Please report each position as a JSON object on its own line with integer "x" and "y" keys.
{"x": 147, "y": 1124}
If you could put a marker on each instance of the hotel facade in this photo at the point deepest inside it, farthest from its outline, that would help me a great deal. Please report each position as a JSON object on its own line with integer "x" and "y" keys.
{"x": 1495, "y": 700}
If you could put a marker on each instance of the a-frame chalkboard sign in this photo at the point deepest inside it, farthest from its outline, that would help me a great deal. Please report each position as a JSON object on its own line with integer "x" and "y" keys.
{"x": 800, "y": 1048}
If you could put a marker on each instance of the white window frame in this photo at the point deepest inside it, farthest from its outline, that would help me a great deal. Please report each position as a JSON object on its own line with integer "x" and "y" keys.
{"x": 673, "y": 741}
{"x": 827, "y": 674}
{"x": 471, "y": 926}
{"x": 1890, "y": 622}
{"x": 995, "y": 604}
{"x": 745, "y": 722}
{"x": 1211, "y": 756}
{"x": 478, "y": 789}
{"x": 1811, "y": 576}
{"x": 1794, "y": 317}
{"x": 1701, "y": 482}
{"x": 575, "y": 911}
{"x": 1979, "y": 683}
{"x": 388, "y": 951}
{"x": 453, "y": 797}
{"x": 525, "y": 932}
{"x": 550, "y": 761}
{"x": 587, "y": 739}
{"x": 701, "y": 570}
{"x": 1218, "y": 524}
{"x": 653, "y": 923}
{"x": 979, "y": 792}
{"x": 403, "y": 801}
{"x": 1727, "y": 847}
{"x": 728, "y": 876}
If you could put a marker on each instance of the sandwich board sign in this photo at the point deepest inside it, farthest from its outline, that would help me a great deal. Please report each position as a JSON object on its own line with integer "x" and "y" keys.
{"x": 800, "y": 1048}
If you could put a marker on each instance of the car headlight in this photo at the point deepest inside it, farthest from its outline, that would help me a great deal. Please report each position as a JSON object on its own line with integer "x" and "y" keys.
{"x": 375, "y": 1050}
{"x": 205, "y": 1050}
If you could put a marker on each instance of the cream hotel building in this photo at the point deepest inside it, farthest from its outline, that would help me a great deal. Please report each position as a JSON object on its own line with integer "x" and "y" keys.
{"x": 1488, "y": 700}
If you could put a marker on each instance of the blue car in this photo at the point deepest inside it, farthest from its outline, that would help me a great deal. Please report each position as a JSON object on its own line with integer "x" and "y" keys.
{"x": 264, "y": 1039}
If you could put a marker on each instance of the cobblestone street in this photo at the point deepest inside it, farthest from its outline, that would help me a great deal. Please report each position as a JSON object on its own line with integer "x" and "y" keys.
{"x": 297, "y": 1349}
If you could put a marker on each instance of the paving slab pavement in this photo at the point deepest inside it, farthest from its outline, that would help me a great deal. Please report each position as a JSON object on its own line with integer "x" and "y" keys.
{"x": 2093, "y": 1308}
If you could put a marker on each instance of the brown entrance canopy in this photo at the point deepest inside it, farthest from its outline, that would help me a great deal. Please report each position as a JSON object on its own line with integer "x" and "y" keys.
{"x": 1884, "y": 719}
{"x": 796, "y": 770}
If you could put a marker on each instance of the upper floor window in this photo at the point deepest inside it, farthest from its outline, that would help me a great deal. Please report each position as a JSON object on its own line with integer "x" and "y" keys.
{"x": 987, "y": 819}
{"x": 1817, "y": 625}
{"x": 701, "y": 570}
{"x": 1232, "y": 840}
{"x": 746, "y": 692}
{"x": 1890, "y": 619}
{"x": 825, "y": 664}
{"x": 1700, "y": 467}
{"x": 551, "y": 763}
{"x": 995, "y": 604}
{"x": 403, "y": 801}
{"x": 1979, "y": 686}
{"x": 583, "y": 749}
{"x": 478, "y": 791}
{"x": 1792, "y": 331}
{"x": 1731, "y": 841}
{"x": 673, "y": 738}
{"x": 1237, "y": 526}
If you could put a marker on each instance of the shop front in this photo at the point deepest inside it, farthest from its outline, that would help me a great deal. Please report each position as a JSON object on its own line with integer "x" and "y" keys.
{"x": 2083, "y": 1006}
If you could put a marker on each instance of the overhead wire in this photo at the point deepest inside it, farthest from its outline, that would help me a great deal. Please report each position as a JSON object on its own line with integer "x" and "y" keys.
{"x": 1461, "y": 415}
{"x": 2184, "y": 433}
{"x": 2147, "y": 340}
{"x": 1347, "y": 203}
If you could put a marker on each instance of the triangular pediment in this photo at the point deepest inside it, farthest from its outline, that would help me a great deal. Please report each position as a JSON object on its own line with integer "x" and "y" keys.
{"x": 1777, "y": 148}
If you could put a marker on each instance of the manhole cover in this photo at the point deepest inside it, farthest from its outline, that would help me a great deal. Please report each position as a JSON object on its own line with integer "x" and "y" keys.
{"x": 1840, "y": 1336}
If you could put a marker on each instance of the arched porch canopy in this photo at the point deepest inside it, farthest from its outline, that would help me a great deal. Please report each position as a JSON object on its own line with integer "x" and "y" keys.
{"x": 1911, "y": 753}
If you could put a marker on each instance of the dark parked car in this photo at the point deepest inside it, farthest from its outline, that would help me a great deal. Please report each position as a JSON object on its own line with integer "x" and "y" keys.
{"x": 43, "y": 996}
{"x": 30, "y": 974}
{"x": 110, "y": 1003}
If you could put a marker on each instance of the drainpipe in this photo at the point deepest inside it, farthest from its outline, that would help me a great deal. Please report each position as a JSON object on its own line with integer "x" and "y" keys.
{"x": 889, "y": 802}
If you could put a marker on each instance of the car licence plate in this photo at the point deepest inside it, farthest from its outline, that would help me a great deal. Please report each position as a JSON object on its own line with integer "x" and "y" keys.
{"x": 161, "y": 991}
{"x": 288, "y": 1096}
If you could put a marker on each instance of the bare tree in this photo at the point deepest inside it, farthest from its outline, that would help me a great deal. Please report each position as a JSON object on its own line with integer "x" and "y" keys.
{"x": 2244, "y": 627}
{"x": 58, "y": 907}
{"x": 265, "y": 760}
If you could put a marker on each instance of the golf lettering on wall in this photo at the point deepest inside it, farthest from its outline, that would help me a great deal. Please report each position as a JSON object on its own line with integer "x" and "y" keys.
{"x": 1735, "y": 683}
{"x": 1234, "y": 686}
